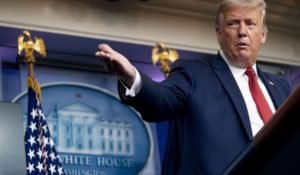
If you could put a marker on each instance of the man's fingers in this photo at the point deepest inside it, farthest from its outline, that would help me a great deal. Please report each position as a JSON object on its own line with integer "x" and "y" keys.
{"x": 102, "y": 54}
{"x": 106, "y": 48}
{"x": 105, "y": 60}
{"x": 114, "y": 62}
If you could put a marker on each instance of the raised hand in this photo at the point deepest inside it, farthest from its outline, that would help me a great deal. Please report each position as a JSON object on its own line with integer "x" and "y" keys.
{"x": 116, "y": 63}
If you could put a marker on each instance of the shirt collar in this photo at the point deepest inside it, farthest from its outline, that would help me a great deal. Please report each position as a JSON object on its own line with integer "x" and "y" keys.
{"x": 236, "y": 71}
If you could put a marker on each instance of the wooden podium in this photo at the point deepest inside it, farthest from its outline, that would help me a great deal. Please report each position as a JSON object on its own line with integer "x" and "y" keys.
{"x": 275, "y": 149}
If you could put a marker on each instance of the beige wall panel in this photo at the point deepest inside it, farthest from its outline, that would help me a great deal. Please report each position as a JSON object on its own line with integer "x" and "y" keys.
{"x": 135, "y": 24}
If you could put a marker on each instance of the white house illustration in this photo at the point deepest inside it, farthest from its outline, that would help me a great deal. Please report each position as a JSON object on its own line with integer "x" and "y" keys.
{"x": 78, "y": 128}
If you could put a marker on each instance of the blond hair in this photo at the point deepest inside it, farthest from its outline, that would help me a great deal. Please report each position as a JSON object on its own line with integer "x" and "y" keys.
{"x": 260, "y": 4}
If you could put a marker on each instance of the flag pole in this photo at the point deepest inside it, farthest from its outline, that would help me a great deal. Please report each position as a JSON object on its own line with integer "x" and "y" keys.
{"x": 41, "y": 154}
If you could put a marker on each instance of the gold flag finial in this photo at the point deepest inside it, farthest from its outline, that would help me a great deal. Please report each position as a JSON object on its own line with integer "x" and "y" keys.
{"x": 26, "y": 42}
{"x": 165, "y": 55}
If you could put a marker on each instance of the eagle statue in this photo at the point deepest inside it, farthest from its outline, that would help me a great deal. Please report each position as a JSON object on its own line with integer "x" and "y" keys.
{"x": 30, "y": 46}
{"x": 165, "y": 55}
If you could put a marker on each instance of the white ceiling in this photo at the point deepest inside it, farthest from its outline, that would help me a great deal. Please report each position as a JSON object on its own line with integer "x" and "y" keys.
{"x": 283, "y": 15}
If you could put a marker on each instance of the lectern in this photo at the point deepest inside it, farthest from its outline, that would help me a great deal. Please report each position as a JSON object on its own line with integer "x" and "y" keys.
{"x": 275, "y": 149}
{"x": 12, "y": 148}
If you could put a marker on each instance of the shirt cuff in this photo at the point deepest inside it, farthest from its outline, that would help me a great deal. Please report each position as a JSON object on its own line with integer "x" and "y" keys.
{"x": 136, "y": 87}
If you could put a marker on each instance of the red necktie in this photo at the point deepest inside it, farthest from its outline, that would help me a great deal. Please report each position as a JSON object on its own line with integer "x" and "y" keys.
{"x": 258, "y": 97}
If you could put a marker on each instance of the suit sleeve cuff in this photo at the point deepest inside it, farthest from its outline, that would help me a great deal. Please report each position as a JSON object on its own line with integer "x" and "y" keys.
{"x": 135, "y": 88}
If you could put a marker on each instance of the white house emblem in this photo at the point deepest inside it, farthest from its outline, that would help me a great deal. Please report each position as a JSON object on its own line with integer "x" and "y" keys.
{"x": 93, "y": 132}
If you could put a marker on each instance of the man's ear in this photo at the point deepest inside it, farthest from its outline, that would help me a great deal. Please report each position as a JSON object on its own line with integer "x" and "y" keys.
{"x": 219, "y": 34}
{"x": 264, "y": 34}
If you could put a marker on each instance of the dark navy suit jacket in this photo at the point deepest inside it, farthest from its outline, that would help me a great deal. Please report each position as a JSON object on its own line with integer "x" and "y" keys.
{"x": 209, "y": 122}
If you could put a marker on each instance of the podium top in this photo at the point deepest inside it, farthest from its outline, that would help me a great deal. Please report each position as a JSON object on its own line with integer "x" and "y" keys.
{"x": 275, "y": 148}
{"x": 283, "y": 122}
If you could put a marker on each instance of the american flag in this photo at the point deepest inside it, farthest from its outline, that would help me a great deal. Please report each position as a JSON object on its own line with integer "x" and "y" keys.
{"x": 41, "y": 156}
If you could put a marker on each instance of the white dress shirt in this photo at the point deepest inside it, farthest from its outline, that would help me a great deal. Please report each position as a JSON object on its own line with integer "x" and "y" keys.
{"x": 136, "y": 86}
{"x": 242, "y": 81}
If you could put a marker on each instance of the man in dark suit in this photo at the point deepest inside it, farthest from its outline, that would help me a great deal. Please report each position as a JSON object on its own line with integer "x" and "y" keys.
{"x": 214, "y": 114}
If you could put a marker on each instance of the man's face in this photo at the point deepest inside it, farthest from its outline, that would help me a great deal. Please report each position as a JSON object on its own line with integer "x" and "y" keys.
{"x": 240, "y": 34}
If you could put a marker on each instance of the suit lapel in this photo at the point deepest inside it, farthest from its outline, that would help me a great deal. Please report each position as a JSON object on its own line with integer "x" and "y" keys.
{"x": 271, "y": 87}
{"x": 225, "y": 76}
